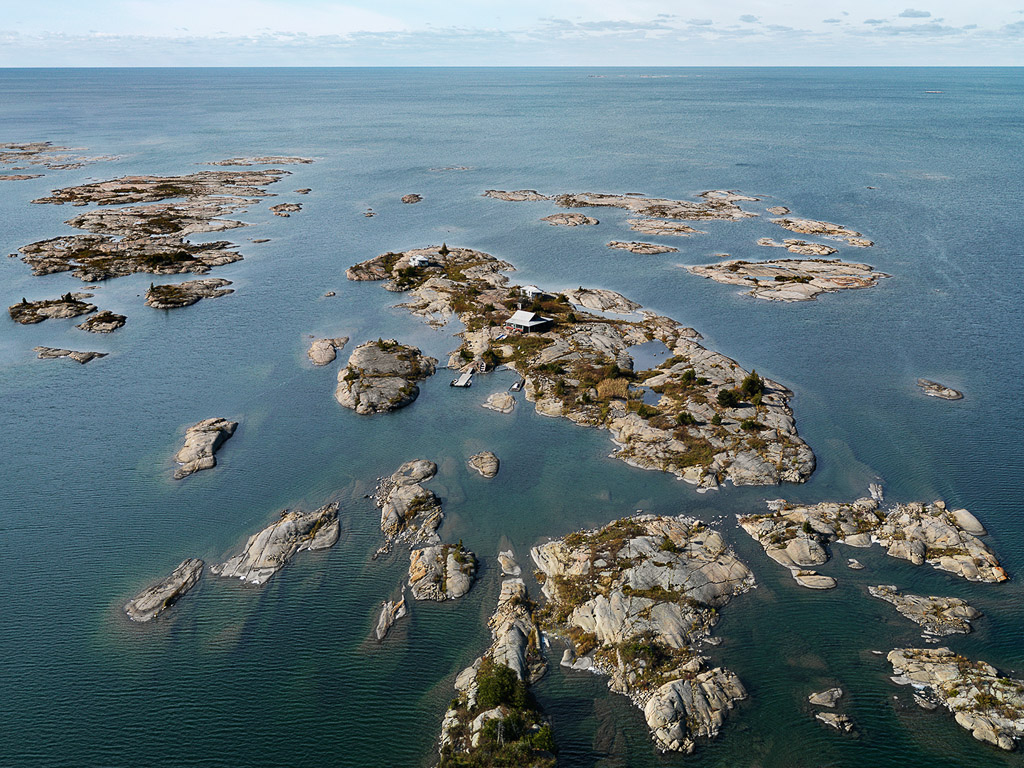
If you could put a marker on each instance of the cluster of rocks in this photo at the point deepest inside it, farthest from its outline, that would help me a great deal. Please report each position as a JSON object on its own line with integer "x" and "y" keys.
{"x": 201, "y": 443}
{"x": 324, "y": 351}
{"x": 643, "y": 249}
{"x": 829, "y": 698}
{"x": 68, "y": 305}
{"x": 937, "y": 615}
{"x": 53, "y": 353}
{"x": 824, "y": 229}
{"x": 790, "y": 279}
{"x": 714, "y": 421}
{"x": 408, "y": 511}
{"x": 381, "y": 376}
{"x": 570, "y": 220}
{"x": 485, "y": 462}
{"x": 989, "y": 705}
{"x": 633, "y": 599}
{"x": 796, "y": 536}
{"x": 177, "y": 295}
{"x": 284, "y": 210}
{"x": 492, "y": 712}
{"x": 267, "y": 552}
{"x": 441, "y": 572}
{"x": 934, "y": 389}
{"x": 154, "y": 600}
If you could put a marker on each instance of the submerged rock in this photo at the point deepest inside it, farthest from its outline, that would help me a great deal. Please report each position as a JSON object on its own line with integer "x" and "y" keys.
{"x": 150, "y": 603}
{"x": 201, "y": 441}
{"x": 934, "y": 389}
{"x": 68, "y": 305}
{"x": 267, "y": 552}
{"x": 103, "y": 322}
{"x": 50, "y": 353}
{"x": 390, "y": 612}
{"x": 987, "y": 704}
{"x": 486, "y": 463}
{"x": 644, "y": 249}
{"x": 175, "y": 295}
{"x": 795, "y": 536}
{"x": 381, "y": 376}
{"x": 441, "y": 572}
{"x": 938, "y": 615}
{"x": 323, "y": 351}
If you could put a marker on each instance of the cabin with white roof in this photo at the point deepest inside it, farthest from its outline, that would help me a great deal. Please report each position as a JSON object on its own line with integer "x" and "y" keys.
{"x": 528, "y": 322}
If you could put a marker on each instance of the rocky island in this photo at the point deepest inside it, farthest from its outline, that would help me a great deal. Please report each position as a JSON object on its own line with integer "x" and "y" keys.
{"x": 177, "y": 295}
{"x": 324, "y": 351}
{"x": 790, "y": 279}
{"x": 53, "y": 353}
{"x": 713, "y": 420}
{"x": 934, "y": 389}
{"x": 47, "y": 155}
{"x": 381, "y": 376}
{"x": 151, "y": 602}
{"x": 796, "y": 537}
{"x": 633, "y": 600}
{"x": 68, "y": 305}
{"x": 799, "y": 247}
{"x": 643, "y": 249}
{"x": 201, "y": 442}
{"x": 824, "y": 229}
{"x": 411, "y": 198}
{"x": 103, "y": 322}
{"x": 989, "y": 705}
{"x": 938, "y": 615}
{"x": 713, "y": 206}
{"x": 267, "y": 552}
{"x": 441, "y": 572}
{"x": 390, "y": 612}
{"x": 408, "y": 511}
{"x": 264, "y": 160}
{"x": 570, "y": 220}
{"x": 486, "y": 463}
{"x": 285, "y": 209}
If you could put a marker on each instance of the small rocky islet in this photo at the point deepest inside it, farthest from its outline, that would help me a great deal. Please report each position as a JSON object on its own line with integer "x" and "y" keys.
{"x": 187, "y": 293}
{"x": 934, "y": 389}
{"x": 54, "y": 353}
{"x": 938, "y": 616}
{"x": 153, "y": 601}
{"x": 791, "y": 279}
{"x": 68, "y": 305}
{"x": 202, "y": 440}
{"x": 381, "y": 376}
{"x": 324, "y": 351}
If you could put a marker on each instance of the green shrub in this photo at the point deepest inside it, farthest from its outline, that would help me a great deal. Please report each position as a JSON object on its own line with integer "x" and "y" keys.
{"x": 729, "y": 398}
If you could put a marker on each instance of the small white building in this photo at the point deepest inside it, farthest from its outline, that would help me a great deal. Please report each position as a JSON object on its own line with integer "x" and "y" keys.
{"x": 419, "y": 261}
{"x": 532, "y": 292}
{"x": 528, "y": 322}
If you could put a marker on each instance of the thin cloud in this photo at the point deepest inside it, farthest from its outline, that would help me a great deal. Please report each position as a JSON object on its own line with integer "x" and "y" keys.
{"x": 749, "y": 18}
{"x": 874, "y": 21}
{"x": 832, "y": 21}
{"x": 700, "y": 22}
{"x": 910, "y": 13}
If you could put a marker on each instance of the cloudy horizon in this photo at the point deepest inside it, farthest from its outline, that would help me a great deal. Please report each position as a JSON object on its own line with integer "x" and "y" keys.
{"x": 464, "y": 33}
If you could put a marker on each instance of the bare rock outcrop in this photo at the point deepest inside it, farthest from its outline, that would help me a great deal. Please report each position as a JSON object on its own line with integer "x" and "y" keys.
{"x": 937, "y": 615}
{"x": 202, "y": 440}
{"x": 570, "y": 220}
{"x": 485, "y": 462}
{"x": 790, "y": 279}
{"x": 285, "y": 210}
{"x": 662, "y": 227}
{"x": 825, "y": 229}
{"x": 518, "y": 196}
{"x": 441, "y": 572}
{"x": 68, "y": 305}
{"x": 103, "y": 322}
{"x": 390, "y": 612}
{"x": 800, "y": 247}
{"x": 153, "y": 601}
{"x": 989, "y": 705}
{"x": 643, "y": 249}
{"x": 408, "y": 511}
{"x": 267, "y": 552}
{"x": 934, "y": 389}
{"x": 826, "y": 698}
{"x": 796, "y": 536}
{"x": 602, "y": 300}
{"x": 53, "y": 353}
{"x": 176, "y": 295}
{"x": 502, "y": 402}
{"x": 381, "y": 376}
{"x": 324, "y": 351}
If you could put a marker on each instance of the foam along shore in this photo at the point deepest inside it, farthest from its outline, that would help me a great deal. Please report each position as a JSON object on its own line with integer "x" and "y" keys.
{"x": 986, "y": 703}
{"x": 634, "y": 600}
{"x": 267, "y": 552}
{"x": 790, "y": 279}
{"x": 381, "y": 376}
{"x": 154, "y": 600}
{"x": 797, "y": 537}
{"x": 202, "y": 440}
{"x": 713, "y": 420}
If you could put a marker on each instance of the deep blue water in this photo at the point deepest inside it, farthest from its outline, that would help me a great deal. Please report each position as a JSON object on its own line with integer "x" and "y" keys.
{"x": 286, "y": 674}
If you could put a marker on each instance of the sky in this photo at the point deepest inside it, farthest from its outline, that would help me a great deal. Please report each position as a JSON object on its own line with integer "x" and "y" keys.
{"x": 61, "y": 33}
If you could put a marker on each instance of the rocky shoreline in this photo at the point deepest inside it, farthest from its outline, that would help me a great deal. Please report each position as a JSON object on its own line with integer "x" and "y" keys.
{"x": 713, "y": 422}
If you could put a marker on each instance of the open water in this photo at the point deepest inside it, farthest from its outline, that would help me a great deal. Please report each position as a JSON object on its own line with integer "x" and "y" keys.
{"x": 286, "y": 674}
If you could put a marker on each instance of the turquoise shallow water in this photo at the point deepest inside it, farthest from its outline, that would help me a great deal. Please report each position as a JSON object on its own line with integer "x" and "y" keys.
{"x": 286, "y": 674}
